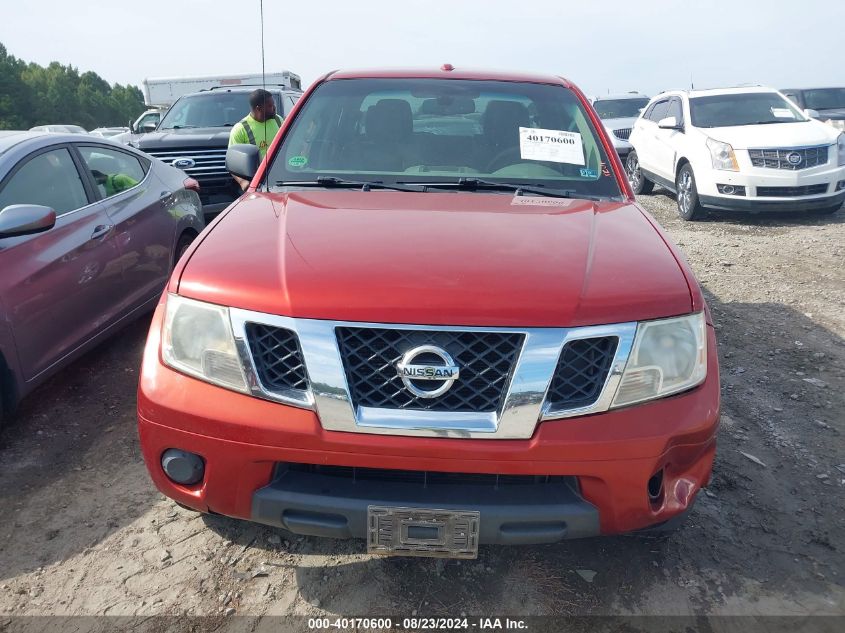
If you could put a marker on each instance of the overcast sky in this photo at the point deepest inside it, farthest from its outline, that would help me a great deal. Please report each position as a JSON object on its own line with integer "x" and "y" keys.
{"x": 617, "y": 46}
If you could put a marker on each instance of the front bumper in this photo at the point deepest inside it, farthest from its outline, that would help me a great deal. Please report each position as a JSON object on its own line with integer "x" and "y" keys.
{"x": 761, "y": 205}
{"x": 245, "y": 442}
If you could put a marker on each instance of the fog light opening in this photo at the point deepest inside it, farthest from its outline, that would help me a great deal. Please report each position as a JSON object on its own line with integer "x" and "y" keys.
{"x": 731, "y": 190}
{"x": 182, "y": 467}
{"x": 840, "y": 185}
{"x": 655, "y": 488}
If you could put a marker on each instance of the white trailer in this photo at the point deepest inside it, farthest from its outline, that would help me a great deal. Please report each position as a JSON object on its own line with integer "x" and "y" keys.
{"x": 162, "y": 92}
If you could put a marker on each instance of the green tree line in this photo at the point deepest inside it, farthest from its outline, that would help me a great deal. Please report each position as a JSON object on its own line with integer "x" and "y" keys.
{"x": 34, "y": 95}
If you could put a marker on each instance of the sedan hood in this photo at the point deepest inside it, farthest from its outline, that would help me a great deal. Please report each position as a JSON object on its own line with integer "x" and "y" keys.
{"x": 836, "y": 114}
{"x": 439, "y": 259}
{"x": 802, "y": 134}
{"x": 615, "y": 124}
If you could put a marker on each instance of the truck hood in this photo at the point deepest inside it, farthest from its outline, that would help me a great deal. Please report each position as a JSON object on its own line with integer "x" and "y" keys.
{"x": 206, "y": 137}
{"x": 802, "y": 134}
{"x": 439, "y": 259}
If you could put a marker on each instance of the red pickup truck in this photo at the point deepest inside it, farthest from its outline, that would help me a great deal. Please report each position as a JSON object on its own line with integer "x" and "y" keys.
{"x": 437, "y": 318}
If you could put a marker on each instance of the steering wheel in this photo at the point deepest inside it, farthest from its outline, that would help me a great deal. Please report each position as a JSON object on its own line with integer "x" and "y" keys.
{"x": 508, "y": 152}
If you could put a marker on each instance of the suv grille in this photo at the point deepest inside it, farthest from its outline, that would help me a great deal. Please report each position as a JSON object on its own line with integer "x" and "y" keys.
{"x": 581, "y": 372}
{"x": 789, "y": 192}
{"x": 486, "y": 360}
{"x": 427, "y": 478}
{"x": 277, "y": 357}
{"x": 209, "y": 162}
{"x": 623, "y": 133}
{"x": 779, "y": 158}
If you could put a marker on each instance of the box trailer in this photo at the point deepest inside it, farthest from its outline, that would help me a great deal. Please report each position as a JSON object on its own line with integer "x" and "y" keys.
{"x": 162, "y": 92}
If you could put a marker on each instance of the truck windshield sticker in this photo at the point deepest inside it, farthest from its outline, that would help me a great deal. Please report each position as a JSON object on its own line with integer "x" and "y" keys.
{"x": 298, "y": 161}
{"x": 589, "y": 173}
{"x": 783, "y": 113}
{"x": 556, "y": 146}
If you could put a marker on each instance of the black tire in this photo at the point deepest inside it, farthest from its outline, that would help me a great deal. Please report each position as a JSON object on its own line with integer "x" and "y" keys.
{"x": 182, "y": 245}
{"x": 639, "y": 183}
{"x": 689, "y": 206}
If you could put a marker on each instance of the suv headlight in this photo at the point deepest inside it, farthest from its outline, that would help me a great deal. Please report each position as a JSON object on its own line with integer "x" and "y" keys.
{"x": 840, "y": 146}
{"x": 197, "y": 340}
{"x": 722, "y": 155}
{"x": 667, "y": 356}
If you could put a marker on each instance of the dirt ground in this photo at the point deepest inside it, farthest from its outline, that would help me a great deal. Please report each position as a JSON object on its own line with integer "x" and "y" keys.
{"x": 83, "y": 531}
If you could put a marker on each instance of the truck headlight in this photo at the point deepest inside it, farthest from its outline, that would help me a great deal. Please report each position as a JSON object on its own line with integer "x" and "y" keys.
{"x": 840, "y": 147}
{"x": 667, "y": 356}
{"x": 197, "y": 340}
{"x": 722, "y": 155}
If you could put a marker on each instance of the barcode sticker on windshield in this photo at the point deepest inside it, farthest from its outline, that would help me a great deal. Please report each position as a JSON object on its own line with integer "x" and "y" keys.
{"x": 783, "y": 113}
{"x": 555, "y": 146}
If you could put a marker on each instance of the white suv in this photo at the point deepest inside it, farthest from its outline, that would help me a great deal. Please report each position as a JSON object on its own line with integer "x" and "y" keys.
{"x": 737, "y": 149}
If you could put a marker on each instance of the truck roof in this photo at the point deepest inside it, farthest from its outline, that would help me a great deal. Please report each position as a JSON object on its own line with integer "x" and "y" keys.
{"x": 447, "y": 72}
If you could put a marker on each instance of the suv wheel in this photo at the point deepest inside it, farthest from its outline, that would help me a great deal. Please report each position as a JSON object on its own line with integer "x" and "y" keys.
{"x": 639, "y": 183}
{"x": 689, "y": 207}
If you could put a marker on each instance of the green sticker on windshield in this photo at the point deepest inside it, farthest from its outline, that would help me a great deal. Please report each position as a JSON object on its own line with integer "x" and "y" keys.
{"x": 298, "y": 161}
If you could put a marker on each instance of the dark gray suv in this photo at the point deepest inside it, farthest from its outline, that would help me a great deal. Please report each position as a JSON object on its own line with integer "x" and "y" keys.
{"x": 194, "y": 133}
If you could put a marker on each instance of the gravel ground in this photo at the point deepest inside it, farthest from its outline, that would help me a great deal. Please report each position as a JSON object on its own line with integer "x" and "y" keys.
{"x": 83, "y": 532}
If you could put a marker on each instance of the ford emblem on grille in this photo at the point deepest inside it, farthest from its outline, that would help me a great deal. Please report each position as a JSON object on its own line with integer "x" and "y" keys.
{"x": 427, "y": 368}
{"x": 183, "y": 163}
{"x": 794, "y": 158}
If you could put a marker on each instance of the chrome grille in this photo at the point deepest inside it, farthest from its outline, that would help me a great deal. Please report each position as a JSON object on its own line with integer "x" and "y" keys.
{"x": 209, "y": 162}
{"x": 486, "y": 360}
{"x": 779, "y": 158}
{"x": 623, "y": 133}
{"x": 790, "y": 192}
{"x": 581, "y": 372}
{"x": 277, "y": 357}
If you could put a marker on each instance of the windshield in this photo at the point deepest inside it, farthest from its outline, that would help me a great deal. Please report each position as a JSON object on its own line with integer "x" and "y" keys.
{"x": 444, "y": 131}
{"x": 619, "y": 108}
{"x": 749, "y": 108}
{"x": 825, "y": 98}
{"x": 210, "y": 109}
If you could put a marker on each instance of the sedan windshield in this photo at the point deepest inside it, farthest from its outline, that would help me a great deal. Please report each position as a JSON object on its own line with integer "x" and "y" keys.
{"x": 444, "y": 133}
{"x": 825, "y": 98}
{"x": 619, "y": 108}
{"x": 749, "y": 108}
{"x": 208, "y": 110}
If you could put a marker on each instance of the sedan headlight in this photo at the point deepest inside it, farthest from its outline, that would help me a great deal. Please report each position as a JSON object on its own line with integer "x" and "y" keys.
{"x": 667, "y": 356}
{"x": 197, "y": 340}
{"x": 722, "y": 155}
{"x": 840, "y": 146}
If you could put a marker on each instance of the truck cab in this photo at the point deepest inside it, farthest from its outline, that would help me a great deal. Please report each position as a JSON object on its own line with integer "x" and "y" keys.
{"x": 193, "y": 135}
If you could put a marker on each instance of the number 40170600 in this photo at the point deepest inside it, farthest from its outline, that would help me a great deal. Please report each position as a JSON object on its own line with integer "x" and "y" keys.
{"x": 552, "y": 139}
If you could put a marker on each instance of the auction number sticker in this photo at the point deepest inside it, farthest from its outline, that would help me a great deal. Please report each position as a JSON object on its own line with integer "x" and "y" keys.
{"x": 556, "y": 146}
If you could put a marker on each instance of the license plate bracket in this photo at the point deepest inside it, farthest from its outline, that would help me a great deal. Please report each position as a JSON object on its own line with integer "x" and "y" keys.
{"x": 399, "y": 531}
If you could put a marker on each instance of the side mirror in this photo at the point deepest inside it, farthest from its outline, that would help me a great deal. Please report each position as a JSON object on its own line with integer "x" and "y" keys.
{"x": 812, "y": 114}
{"x": 148, "y": 127}
{"x": 243, "y": 160}
{"x": 25, "y": 219}
{"x": 669, "y": 123}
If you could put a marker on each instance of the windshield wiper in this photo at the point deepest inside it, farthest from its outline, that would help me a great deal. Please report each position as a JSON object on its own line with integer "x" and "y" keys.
{"x": 474, "y": 184}
{"x": 330, "y": 182}
{"x": 178, "y": 127}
